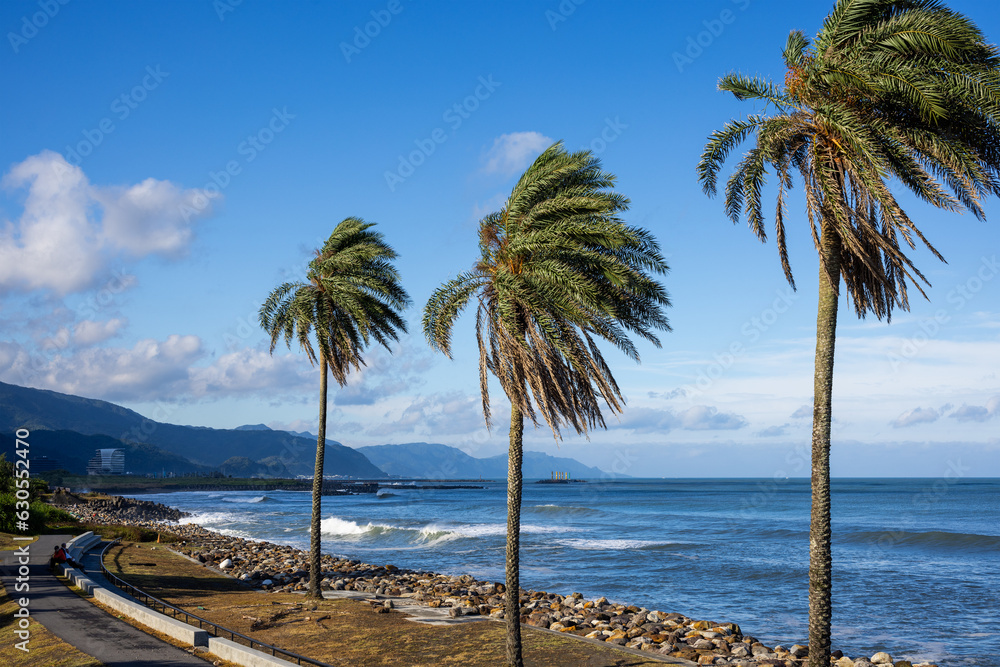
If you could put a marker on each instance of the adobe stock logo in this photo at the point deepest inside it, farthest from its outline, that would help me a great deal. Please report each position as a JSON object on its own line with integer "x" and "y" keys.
{"x": 37, "y": 21}
{"x": 454, "y": 116}
{"x": 714, "y": 28}
{"x": 363, "y": 35}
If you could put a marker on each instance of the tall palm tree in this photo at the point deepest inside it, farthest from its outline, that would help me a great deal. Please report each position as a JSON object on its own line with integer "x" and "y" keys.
{"x": 558, "y": 269}
{"x": 351, "y": 296}
{"x": 903, "y": 91}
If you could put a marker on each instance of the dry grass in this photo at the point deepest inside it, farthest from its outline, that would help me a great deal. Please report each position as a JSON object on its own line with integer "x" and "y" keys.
{"x": 7, "y": 542}
{"x": 342, "y": 632}
{"x": 44, "y": 647}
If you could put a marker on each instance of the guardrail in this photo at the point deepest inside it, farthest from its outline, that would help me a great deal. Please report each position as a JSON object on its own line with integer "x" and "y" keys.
{"x": 213, "y": 629}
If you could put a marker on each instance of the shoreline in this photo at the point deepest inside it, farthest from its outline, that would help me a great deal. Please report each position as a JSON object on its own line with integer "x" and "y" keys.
{"x": 270, "y": 567}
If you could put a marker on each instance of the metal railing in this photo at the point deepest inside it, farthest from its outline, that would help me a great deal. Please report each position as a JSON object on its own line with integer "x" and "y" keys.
{"x": 213, "y": 629}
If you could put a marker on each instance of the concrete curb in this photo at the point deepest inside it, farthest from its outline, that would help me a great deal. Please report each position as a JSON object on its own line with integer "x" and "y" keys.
{"x": 243, "y": 655}
{"x": 82, "y": 543}
{"x": 171, "y": 627}
{"x": 78, "y": 579}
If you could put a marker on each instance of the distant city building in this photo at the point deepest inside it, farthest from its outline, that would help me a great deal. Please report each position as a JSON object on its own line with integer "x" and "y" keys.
{"x": 44, "y": 464}
{"x": 107, "y": 462}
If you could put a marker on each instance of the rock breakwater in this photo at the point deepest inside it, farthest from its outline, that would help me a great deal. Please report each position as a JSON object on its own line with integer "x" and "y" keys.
{"x": 117, "y": 509}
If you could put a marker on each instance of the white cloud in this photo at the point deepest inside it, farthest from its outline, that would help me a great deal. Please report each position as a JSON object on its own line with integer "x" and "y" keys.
{"x": 386, "y": 374}
{"x": 250, "y": 371}
{"x": 149, "y": 217}
{"x": 69, "y": 230}
{"x": 155, "y": 370}
{"x": 150, "y": 370}
{"x": 512, "y": 153}
{"x": 89, "y": 332}
{"x": 772, "y": 431}
{"x": 708, "y": 418}
{"x": 916, "y": 416}
{"x": 802, "y": 412}
{"x": 695, "y": 418}
{"x": 978, "y": 413}
{"x": 452, "y": 413}
{"x": 679, "y": 392}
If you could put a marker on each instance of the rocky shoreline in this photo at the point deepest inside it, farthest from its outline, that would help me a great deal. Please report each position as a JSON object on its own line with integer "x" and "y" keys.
{"x": 279, "y": 568}
{"x": 117, "y": 509}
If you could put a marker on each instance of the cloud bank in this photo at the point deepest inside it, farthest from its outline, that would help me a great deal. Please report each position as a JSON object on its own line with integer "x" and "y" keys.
{"x": 70, "y": 230}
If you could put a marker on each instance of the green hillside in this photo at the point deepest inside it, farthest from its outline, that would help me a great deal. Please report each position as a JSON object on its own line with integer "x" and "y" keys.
{"x": 37, "y": 410}
{"x": 73, "y": 450}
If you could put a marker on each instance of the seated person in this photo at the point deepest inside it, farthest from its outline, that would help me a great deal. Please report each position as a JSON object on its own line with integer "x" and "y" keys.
{"x": 60, "y": 555}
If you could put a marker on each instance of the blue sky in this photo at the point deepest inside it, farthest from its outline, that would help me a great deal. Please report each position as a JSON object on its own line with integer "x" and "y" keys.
{"x": 164, "y": 165}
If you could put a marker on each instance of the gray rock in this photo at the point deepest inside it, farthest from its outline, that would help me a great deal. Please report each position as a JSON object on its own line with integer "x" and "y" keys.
{"x": 740, "y": 651}
{"x": 881, "y": 658}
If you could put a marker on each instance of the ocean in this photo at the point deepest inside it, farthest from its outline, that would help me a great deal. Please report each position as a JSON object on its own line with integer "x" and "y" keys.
{"x": 916, "y": 561}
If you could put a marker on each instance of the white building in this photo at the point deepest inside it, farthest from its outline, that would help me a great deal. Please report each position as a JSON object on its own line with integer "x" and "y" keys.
{"x": 107, "y": 462}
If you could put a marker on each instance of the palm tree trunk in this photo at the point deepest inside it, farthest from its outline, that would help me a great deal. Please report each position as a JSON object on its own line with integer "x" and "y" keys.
{"x": 820, "y": 557}
{"x": 315, "y": 573}
{"x": 512, "y": 608}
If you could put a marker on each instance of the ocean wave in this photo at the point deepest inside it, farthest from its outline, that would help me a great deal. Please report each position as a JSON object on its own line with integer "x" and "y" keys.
{"x": 382, "y": 493}
{"x": 564, "y": 509}
{"x": 337, "y": 526}
{"x": 585, "y": 544}
{"x": 257, "y": 499}
{"x": 210, "y": 519}
{"x": 935, "y": 539}
{"x": 429, "y": 535}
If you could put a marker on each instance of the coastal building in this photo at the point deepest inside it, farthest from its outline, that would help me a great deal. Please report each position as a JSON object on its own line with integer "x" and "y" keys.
{"x": 43, "y": 464}
{"x": 107, "y": 462}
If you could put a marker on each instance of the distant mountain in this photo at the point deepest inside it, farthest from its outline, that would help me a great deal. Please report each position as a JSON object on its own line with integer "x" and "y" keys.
{"x": 253, "y": 427}
{"x": 38, "y": 410}
{"x": 241, "y": 466}
{"x": 434, "y": 461}
{"x": 73, "y": 451}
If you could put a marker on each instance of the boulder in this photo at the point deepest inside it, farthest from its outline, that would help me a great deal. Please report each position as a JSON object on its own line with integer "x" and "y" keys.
{"x": 740, "y": 651}
{"x": 881, "y": 658}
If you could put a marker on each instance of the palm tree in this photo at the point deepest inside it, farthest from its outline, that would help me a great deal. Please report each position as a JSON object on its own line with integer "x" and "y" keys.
{"x": 888, "y": 90}
{"x": 352, "y": 296}
{"x": 558, "y": 269}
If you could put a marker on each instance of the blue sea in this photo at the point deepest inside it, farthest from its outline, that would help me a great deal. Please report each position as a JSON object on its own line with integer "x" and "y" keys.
{"x": 916, "y": 561}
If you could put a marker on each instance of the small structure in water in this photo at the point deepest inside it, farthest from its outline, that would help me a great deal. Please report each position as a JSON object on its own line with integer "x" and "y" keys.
{"x": 560, "y": 478}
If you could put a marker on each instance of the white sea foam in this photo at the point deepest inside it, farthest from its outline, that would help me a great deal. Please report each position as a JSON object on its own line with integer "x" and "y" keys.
{"x": 337, "y": 526}
{"x": 612, "y": 544}
{"x": 257, "y": 499}
{"x": 429, "y": 535}
{"x": 210, "y": 519}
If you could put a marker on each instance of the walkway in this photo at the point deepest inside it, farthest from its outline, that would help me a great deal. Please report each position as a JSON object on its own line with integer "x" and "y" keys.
{"x": 81, "y": 623}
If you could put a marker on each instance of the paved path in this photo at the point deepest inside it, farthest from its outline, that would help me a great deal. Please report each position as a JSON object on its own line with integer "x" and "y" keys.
{"x": 82, "y": 624}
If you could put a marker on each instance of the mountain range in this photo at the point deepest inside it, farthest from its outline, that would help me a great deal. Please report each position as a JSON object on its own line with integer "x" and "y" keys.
{"x": 42, "y": 410}
{"x": 433, "y": 461}
{"x": 70, "y": 428}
